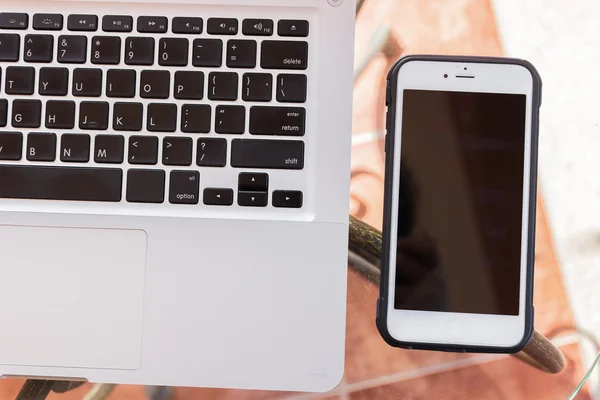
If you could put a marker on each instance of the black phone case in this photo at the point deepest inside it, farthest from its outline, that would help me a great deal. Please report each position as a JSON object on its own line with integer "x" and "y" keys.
{"x": 382, "y": 303}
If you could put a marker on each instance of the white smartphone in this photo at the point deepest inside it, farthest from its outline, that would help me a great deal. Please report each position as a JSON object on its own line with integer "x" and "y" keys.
{"x": 460, "y": 203}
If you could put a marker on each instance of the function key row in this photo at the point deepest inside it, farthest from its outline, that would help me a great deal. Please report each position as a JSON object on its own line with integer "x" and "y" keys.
{"x": 155, "y": 24}
{"x": 144, "y": 150}
{"x": 172, "y": 52}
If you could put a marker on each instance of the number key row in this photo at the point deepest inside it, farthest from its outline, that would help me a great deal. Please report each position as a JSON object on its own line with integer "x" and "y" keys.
{"x": 141, "y": 51}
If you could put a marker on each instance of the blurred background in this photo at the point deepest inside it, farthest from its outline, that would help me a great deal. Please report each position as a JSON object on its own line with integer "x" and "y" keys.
{"x": 560, "y": 38}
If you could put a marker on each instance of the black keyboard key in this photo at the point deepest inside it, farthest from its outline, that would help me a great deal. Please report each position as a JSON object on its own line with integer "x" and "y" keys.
{"x": 54, "y": 82}
{"x": 195, "y": 118}
{"x": 257, "y": 87}
{"x": 284, "y": 55}
{"x": 109, "y": 149}
{"x": 106, "y": 50}
{"x": 41, "y": 147}
{"x": 10, "y": 20}
{"x": 139, "y": 51}
{"x": 230, "y": 119}
{"x": 3, "y": 112}
{"x": 60, "y": 114}
{"x": 257, "y": 27}
{"x": 211, "y": 152}
{"x": 11, "y": 148}
{"x": 10, "y": 47}
{"x": 267, "y": 154}
{"x": 222, "y": 26}
{"x": 26, "y": 113}
{"x": 253, "y": 182}
{"x": 143, "y": 150}
{"x": 223, "y": 86}
{"x": 75, "y": 148}
{"x": 72, "y": 49}
{"x": 120, "y": 83}
{"x": 286, "y": 121}
{"x": 19, "y": 80}
{"x": 47, "y": 22}
{"x": 87, "y": 82}
{"x": 241, "y": 54}
{"x": 207, "y": 53}
{"x": 187, "y": 25}
{"x": 155, "y": 84}
{"x": 287, "y": 199}
{"x": 218, "y": 197}
{"x": 162, "y": 117}
{"x": 184, "y": 187}
{"x": 117, "y": 23}
{"x": 128, "y": 117}
{"x": 292, "y": 27}
{"x": 145, "y": 186}
{"x": 253, "y": 199}
{"x": 82, "y": 23}
{"x": 60, "y": 183}
{"x": 291, "y": 88}
{"x": 177, "y": 151}
{"x": 38, "y": 48}
{"x": 173, "y": 52}
{"x": 152, "y": 24}
{"x": 189, "y": 85}
{"x": 93, "y": 115}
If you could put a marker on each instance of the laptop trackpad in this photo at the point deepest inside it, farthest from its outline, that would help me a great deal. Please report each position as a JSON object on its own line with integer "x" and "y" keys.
{"x": 71, "y": 297}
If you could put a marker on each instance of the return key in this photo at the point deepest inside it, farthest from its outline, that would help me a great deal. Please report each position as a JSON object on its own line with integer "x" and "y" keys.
{"x": 284, "y": 121}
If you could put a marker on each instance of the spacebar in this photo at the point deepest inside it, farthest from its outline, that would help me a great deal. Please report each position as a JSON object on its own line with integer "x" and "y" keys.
{"x": 60, "y": 183}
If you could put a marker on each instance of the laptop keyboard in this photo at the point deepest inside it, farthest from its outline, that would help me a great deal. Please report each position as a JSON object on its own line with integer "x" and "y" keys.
{"x": 142, "y": 109}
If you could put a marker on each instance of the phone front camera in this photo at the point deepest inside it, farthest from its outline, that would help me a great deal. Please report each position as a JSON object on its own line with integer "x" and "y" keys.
{"x": 445, "y": 75}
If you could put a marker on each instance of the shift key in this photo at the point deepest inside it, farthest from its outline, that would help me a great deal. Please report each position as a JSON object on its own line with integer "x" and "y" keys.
{"x": 267, "y": 154}
{"x": 285, "y": 121}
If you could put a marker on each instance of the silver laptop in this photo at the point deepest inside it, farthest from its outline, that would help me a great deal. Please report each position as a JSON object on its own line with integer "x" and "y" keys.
{"x": 174, "y": 180}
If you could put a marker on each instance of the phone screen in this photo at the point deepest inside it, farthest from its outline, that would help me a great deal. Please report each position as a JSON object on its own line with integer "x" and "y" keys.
{"x": 461, "y": 202}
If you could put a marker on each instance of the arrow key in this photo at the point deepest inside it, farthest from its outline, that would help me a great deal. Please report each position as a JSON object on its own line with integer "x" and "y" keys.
{"x": 253, "y": 182}
{"x": 177, "y": 151}
{"x": 143, "y": 150}
{"x": 218, "y": 197}
{"x": 252, "y": 199}
{"x": 287, "y": 199}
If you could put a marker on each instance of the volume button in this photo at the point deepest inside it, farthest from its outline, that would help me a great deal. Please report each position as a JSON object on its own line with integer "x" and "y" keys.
{"x": 388, "y": 93}
{"x": 388, "y": 129}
